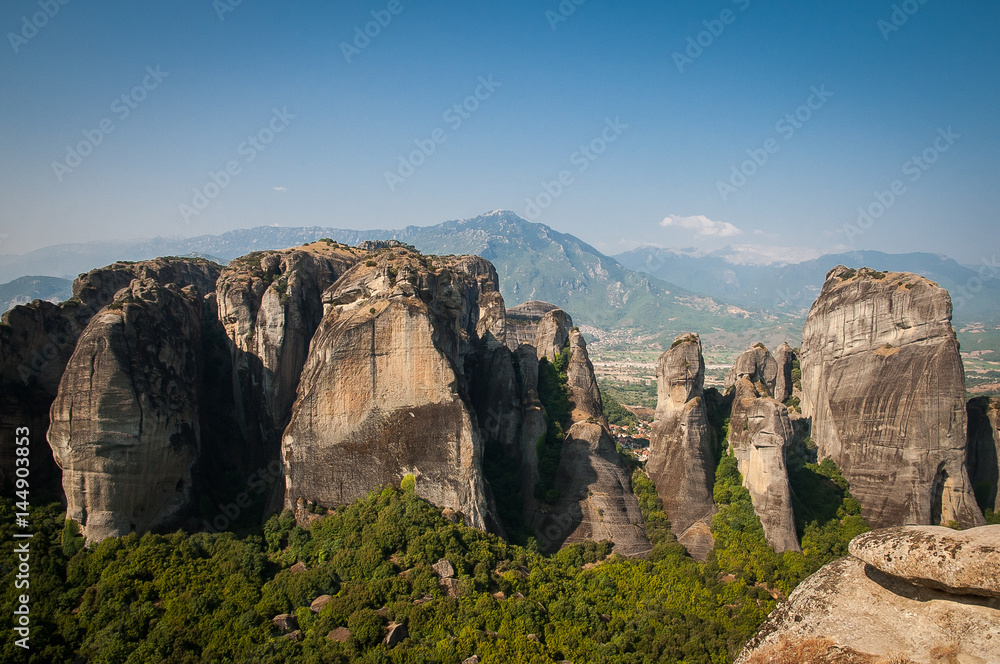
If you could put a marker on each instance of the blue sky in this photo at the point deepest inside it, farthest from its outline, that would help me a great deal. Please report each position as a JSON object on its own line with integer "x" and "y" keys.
{"x": 555, "y": 86}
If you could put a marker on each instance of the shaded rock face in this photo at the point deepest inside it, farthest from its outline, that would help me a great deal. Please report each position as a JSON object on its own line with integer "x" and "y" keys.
{"x": 383, "y": 395}
{"x": 874, "y": 612}
{"x": 38, "y": 339}
{"x": 124, "y": 424}
{"x": 759, "y": 433}
{"x": 784, "y": 357}
{"x": 884, "y": 384}
{"x": 596, "y": 500}
{"x": 681, "y": 463}
{"x": 983, "y": 451}
{"x": 270, "y": 304}
{"x": 759, "y": 367}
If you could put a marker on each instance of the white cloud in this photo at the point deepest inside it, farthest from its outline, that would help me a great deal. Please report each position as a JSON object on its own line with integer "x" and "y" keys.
{"x": 280, "y": 189}
{"x": 701, "y": 225}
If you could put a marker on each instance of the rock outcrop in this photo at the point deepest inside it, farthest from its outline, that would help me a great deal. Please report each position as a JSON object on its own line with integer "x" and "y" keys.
{"x": 38, "y": 339}
{"x": 595, "y": 496}
{"x": 539, "y": 324}
{"x": 963, "y": 562}
{"x": 596, "y": 501}
{"x": 983, "y": 451}
{"x": 884, "y": 384}
{"x": 125, "y": 421}
{"x": 785, "y": 359}
{"x": 874, "y": 611}
{"x": 758, "y": 366}
{"x": 681, "y": 464}
{"x": 270, "y": 304}
{"x": 759, "y": 434}
{"x": 383, "y": 394}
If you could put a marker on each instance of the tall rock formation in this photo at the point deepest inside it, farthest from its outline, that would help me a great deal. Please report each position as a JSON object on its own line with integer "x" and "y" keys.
{"x": 125, "y": 420}
{"x": 38, "y": 339}
{"x": 758, "y": 366}
{"x": 883, "y": 381}
{"x": 983, "y": 452}
{"x": 681, "y": 463}
{"x": 541, "y": 325}
{"x": 596, "y": 501}
{"x": 785, "y": 359}
{"x": 759, "y": 433}
{"x": 383, "y": 394}
{"x": 925, "y": 595}
{"x": 270, "y": 304}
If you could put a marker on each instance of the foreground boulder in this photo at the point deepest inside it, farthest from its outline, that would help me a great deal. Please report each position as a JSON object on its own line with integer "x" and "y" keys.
{"x": 857, "y": 612}
{"x": 965, "y": 562}
{"x": 125, "y": 422}
{"x": 883, "y": 381}
{"x": 681, "y": 464}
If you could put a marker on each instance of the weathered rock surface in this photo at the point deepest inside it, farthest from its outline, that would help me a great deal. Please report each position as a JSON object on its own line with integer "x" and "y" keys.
{"x": 596, "y": 500}
{"x": 37, "y": 341}
{"x": 270, "y": 304}
{"x": 395, "y": 634}
{"x": 681, "y": 464}
{"x": 759, "y": 434}
{"x": 125, "y": 422}
{"x": 885, "y": 387}
{"x": 983, "y": 452}
{"x": 962, "y": 562}
{"x": 383, "y": 395}
{"x": 785, "y": 358}
{"x": 539, "y": 324}
{"x": 758, "y": 366}
{"x": 584, "y": 395}
{"x": 857, "y": 606}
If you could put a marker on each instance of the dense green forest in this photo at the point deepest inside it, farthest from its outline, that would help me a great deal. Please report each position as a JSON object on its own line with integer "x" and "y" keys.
{"x": 211, "y": 597}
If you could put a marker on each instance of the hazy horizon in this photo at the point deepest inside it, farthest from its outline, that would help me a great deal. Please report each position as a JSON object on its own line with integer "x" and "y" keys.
{"x": 692, "y": 125}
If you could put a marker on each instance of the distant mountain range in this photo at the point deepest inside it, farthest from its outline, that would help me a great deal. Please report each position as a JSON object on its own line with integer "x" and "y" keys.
{"x": 25, "y": 289}
{"x": 648, "y": 294}
{"x": 792, "y": 288}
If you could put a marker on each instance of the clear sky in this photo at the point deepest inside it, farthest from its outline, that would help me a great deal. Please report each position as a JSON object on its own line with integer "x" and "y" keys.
{"x": 669, "y": 128}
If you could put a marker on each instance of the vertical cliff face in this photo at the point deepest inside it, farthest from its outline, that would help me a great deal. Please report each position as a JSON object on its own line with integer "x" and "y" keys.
{"x": 124, "y": 424}
{"x": 383, "y": 394}
{"x": 983, "y": 451}
{"x": 785, "y": 359}
{"x": 595, "y": 491}
{"x": 38, "y": 339}
{"x": 884, "y": 384}
{"x": 759, "y": 433}
{"x": 759, "y": 367}
{"x": 270, "y": 304}
{"x": 681, "y": 464}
